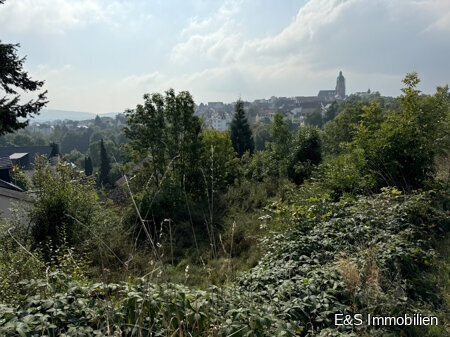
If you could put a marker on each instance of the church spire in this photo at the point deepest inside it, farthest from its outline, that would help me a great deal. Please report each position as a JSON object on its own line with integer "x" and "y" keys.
{"x": 340, "y": 85}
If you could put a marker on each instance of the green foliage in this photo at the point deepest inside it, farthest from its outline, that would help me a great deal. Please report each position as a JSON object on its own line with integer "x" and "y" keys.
{"x": 166, "y": 129}
{"x": 88, "y": 169}
{"x": 314, "y": 118}
{"x": 140, "y": 309}
{"x": 261, "y": 134}
{"x": 78, "y": 140}
{"x": 94, "y": 151}
{"x": 387, "y": 142}
{"x": 105, "y": 165}
{"x": 281, "y": 144}
{"x": 348, "y": 114}
{"x": 367, "y": 256}
{"x": 341, "y": 129}
{"x": 219, "y": 162}
{"x": 64, "y": 207}
{"x": 400, "y": 146}
{"x": 348, "y": 174}
{"x": 16, "y": 265}
{"x": 364, "y": 256}
{"x": 13, "y": 78}
{"x": 98, "y": 121}
{"x": 329, "y": 245}
{"x": 260, "y": 166}
{"x": 306, "y": 155}
{"x": 18, "y": 178}
{"x": 241, "y": 134}
{"x": 166, "y": 142}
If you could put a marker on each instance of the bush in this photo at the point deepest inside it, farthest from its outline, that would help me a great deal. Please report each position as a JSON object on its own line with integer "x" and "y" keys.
{"x": 65, "y": 205}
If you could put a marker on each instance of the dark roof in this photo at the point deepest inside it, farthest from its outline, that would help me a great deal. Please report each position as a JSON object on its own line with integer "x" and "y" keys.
{"x": 32, "y": 150}
{"x": 9, "y": 186}
{"x": 325, "y": 93}
{"x": 5, "y": 163}
{"x": 311, "y": 105}
{"x": 304, "y": 99}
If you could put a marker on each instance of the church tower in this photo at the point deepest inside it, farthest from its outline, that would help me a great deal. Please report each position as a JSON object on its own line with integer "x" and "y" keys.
{"x": 340, "y": 85}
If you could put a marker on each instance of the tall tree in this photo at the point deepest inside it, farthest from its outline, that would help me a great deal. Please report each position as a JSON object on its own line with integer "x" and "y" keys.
{"x": 314, "y": 118}
{"x": 13, "y": 78}
{"x": 241, "y": 134}
{"x": 98, "y": 121}
{"x": 105, "y": 165}
{"x": 88, "y": 169}
{"x": 306, "y": 155}
{"x": 166, "y": 140}
{"x": 165, "y": 129}
{"x": 282, "y": 137}
{"x": 400, "y": 146}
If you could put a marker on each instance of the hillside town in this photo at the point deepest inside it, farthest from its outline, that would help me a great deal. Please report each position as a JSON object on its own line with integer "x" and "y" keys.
{"x": 218, "y": 115}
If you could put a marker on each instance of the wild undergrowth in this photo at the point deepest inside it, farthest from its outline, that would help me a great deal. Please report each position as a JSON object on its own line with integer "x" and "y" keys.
{"x": 370, "y": 255}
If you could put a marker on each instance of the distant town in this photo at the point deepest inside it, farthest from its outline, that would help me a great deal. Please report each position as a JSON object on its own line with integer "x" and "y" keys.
{"x": 218, "y": 115}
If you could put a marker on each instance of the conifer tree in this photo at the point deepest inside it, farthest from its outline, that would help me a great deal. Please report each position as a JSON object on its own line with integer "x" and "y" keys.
{"x": 105, "y": 165}
{"x": 241, "y": 134}
{"x": 13, "y": 78}
{"x": 88, "y": 169}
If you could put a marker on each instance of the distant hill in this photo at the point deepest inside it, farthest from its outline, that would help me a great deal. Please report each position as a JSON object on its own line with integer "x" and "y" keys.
{"x": 49, "y": 115}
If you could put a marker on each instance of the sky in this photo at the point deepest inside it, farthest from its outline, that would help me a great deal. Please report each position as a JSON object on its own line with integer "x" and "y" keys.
{"x": 103, "y": 55}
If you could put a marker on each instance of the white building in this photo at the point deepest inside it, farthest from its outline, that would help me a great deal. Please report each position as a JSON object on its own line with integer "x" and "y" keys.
{"x": 221, "y": 123}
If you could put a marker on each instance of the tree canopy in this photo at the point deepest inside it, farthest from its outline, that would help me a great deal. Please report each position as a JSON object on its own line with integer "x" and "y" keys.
{"x": 105, "y": 165}
{"x": 13, "y": 112}
{"x": 241, "y": 134}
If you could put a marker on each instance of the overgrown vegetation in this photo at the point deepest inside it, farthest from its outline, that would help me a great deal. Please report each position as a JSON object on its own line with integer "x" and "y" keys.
{"x": 210, "y": 234}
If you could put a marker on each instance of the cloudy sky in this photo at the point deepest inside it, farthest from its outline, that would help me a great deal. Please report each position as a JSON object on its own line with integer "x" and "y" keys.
{"x": 103, "y": 55}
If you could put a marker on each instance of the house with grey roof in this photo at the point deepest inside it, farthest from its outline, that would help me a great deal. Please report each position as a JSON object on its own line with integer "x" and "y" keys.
{"x": 9, "y": 193}
{"x": 22, "y": 157}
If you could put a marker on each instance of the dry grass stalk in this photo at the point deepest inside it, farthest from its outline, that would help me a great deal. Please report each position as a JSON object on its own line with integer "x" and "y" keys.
{"x": 349, "y": 273}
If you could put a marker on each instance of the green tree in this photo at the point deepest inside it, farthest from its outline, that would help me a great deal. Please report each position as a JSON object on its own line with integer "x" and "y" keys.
{"x": 261, "y": 134}
{"x": 105, "y": 165}
{"x": 306, "y": 155}
{"x": 94, "y": 151}
{"x": 330, "y": 113}
{"x": 166, "y": 141}
{"x": 314, "y": 118}
{"x": 76, "y": 139}
{"x": 282, "y": 139}
{"x": 23, "y": 140}
{"x": 341, "y": 130}
{"x": 18, "y": 178}
{"x": 219, "y": 162}
{"x": 88, "y": 169}
{"x": 165, "y": 129}
{"x": 98, "y": 121}
{"x": 62, "y": 195}
{"x": 241, "y": 134}
{"x": 400, "y": 145}
{"x": 13, "y": 78}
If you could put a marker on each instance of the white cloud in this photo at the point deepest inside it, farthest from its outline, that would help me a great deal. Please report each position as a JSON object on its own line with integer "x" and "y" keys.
{"x": 214, "y": 39}
{"x": 439, "y": 11}
{"x": 142, "y": 80}
{"x": 57, "y": 16}
{"x": 374, "y": 42}
{"x": 378, "y": 39}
